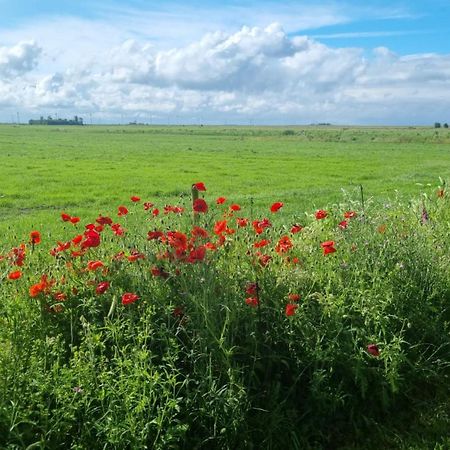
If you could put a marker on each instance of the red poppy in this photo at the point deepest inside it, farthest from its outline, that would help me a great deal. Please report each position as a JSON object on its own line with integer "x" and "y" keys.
{"x": 43, "y": 286}
{"x": 92, "y": 239}
{"x": 200, "y": 205}
{"x": 159, "y": 272}
{"x": 15, "y": 275}
{"x": 221, "y": 200}
{"x": 177, "y": 240}
{"x": 173, "y": 209}
{"x": 155, "y": 212}
{"x": 17, "y": 255}
{"x": 242, "y": 222}
{"x": 148, "y": 205}
{"x": 220, "y": 227}
{"x": 261, "y": 243}
{"x": 102, "y": 220}
{"x": 328, "y": 247}
{"x": 35, "y": 237}
{"x": 122, "y": 211}
{"x": 373, "y": 350}
{"x": 343, "y": 225}
{"x": 260, "y": 225}
{"x": 128, "y": 298}
{"x": 264, "y": 259}
{"x": 235, "y": 207}
{"x": 199, "y": 186}
{"x": 102, "y": 287}
{"x": 77, "y": 239}
{"x": 135, "y": 198}
{"x": 296, "y": 228}
{"x": 276, "y": 206}
{"x": 65, "y": 217}
{"x": 350, "y": 214}
{"x": 290, "y": 309}
{"x": 197, "y": 254}
{"x": 252, "y": 301}
{"x": 283, "y": 245}
{"x": 251, "y": 288}
{"x": 117, "y": 229}
{"x": 135, "y": 255}
{"x": 321, "y": 214}
{"x": 198, "y": 232}
{"x": 60, "y": 296}
{"x": 294, "y": 297}
{"x": 156, "y": 235}
{"x": 74, "y": 220}
{"x": 94, "y": 265}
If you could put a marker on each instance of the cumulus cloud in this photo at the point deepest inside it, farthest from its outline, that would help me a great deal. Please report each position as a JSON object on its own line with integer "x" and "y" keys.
{"x": 262, "y": 74}
{"x": 19, "y": 59}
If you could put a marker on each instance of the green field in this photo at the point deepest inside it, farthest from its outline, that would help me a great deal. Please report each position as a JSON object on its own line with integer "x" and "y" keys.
{"x": 86, "y": 170}
{"x": 221, "y": 329}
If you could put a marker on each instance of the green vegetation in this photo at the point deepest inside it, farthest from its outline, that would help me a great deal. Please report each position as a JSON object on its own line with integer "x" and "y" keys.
{"x": 307, "y": 330}
{"x": 46, "y": 170}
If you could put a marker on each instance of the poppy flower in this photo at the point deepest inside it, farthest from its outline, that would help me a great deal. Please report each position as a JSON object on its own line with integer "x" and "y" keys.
{"x": 235, "y": 207}
{"x": 296, "y": 228}
{"x": 252, "y": 301}
{"x": 77, "y": 239}
{"x": 43, "y": 286}
{"x": 148, "y": 205}
{"x": 156, "y": 235}
{"x": 92, "y": 239}
{"x": 220, "y": 200}
{"x": 65, "y": 217}
{"x": 117, "y": 229}
{"x": 290, "y": 309}
{"x": 128, "y": 298}
{"x": 35, "y": 237}
{"x": 198, "y": 232}
{"x": 60, "y": 296}
{"x": 283, "y": 245}
{"x": 264, "y": 259}
{"x": 102, "y": 287}
{"x": 251, "y": 288}
{"x": 261, "y": 243}
{"x": 104, "y": 220}
{"x": 122, "y": 211}
{"x": 220, "y": 227}
{"x": 294, "y": 297}
{"x": 177, "y": 240}
{"x": 343, "y": 225}
{"x": 197, "y": 254}
{"x": 159, "y": 272}
{"x": 276, "y": 207}
{"x": 15, "y": 275}
{"x": 260, "y": 225}
{"x": 135, "y": 255}
{"x": 350, "y": 214}
{"x": 155, "y": 212}
{"x": 199, "y": 186}
{"x": 74, "y": 220}
{"x": 242, "y": 222}
{"x": 94, "y": 265}
{"x": 321, "y": 214}
{"x": 328, "y": 247}
{"x": 135, "y": 198}
{"x": 17, "y": 255}
{"x": 373, "y": 350}
{"x": 200, "y": 205}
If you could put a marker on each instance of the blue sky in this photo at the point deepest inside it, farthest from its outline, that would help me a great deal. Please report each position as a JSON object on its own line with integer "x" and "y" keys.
{"x": 351, "y": 61}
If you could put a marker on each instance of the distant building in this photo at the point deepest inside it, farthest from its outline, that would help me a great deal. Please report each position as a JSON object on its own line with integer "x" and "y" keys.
{"x": 50, "y": 121}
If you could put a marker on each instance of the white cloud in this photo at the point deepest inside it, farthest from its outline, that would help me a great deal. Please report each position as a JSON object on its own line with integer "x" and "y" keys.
{"x": 254, "y": 74}
{"x": 19, "y": 58}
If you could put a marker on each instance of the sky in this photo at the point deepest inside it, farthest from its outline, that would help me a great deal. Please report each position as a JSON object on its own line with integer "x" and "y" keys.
{"x": 230, "y": 62}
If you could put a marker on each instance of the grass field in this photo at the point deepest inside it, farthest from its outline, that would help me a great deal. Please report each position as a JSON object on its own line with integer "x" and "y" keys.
{"x": 84, "y": 170}
{"x": 224, "y": 329}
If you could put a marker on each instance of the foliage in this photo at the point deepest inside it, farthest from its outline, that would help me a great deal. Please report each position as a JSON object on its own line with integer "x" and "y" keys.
{"x": 231, "y": 327}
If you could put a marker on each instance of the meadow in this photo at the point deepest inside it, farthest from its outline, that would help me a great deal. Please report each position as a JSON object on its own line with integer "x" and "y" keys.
{"x": 296, "y": 296}
{"x": 45, "y": 170}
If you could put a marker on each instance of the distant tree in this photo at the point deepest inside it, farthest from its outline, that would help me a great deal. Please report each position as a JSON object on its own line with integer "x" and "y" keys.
{"x": 437, "y": 124}
{"x": 445, "y": 125}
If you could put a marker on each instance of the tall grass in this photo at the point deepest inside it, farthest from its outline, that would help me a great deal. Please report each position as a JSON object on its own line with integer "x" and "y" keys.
{"x": 210, "y": 354}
